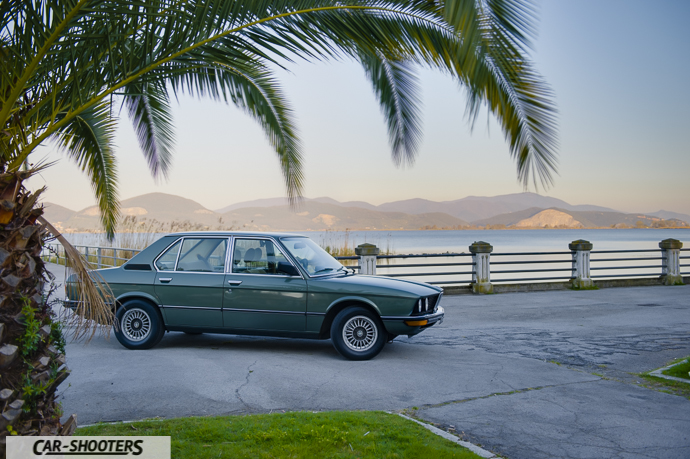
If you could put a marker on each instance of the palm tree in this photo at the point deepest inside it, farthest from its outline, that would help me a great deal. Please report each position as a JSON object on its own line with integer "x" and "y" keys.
{"x": 67, "y": 65}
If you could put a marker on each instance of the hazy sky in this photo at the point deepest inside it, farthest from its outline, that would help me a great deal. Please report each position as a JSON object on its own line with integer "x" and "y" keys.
{"x": 619, "y": 70}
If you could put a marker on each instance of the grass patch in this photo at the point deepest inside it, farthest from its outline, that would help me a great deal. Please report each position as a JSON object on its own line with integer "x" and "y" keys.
{"x": 679, "y": 371}
{"x": 350, "y": 434}
{"x": 667, "y": 385}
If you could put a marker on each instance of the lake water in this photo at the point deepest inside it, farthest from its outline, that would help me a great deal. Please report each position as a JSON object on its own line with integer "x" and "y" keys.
{"x": 406, "y": 242}
{"x": 455, "y": 269}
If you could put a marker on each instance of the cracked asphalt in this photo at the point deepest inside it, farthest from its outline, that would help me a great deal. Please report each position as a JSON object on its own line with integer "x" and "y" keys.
{"x": 524, "y": 375}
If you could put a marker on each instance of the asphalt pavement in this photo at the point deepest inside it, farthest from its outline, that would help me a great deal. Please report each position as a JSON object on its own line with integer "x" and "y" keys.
{"x": 524, "y": 375}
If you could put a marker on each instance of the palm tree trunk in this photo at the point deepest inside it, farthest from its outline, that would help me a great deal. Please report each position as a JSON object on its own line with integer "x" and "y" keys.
{"x": 32, "y": 346}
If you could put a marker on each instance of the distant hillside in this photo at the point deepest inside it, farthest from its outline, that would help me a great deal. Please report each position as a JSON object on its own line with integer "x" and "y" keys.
{"x": 268, "y": 202}
{"x": 150, "y": 207}
{"x": 668, "y": 215}
{"x": 314, "y": 215}
{"x": 164, "y": 212}
{"x": 56, "y": 214}
{"x": 272, "y": 202}
{"x": 469, "y": 209}
{"x": 157, "y": 211}
{"x": 563, "y": 218}
{"x": 474, "y": 208}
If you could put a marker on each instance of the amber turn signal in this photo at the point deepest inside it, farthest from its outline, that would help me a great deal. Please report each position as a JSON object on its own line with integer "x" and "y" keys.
{"x": 416, "y": 323}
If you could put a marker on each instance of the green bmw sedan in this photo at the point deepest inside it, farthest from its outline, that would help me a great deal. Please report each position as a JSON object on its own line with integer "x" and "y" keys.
{"x": 271, "y": 284}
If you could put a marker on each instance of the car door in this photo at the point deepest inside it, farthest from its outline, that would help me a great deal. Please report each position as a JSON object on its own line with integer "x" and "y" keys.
{"x": 189, "y": 282}
{"x": 261, "y": 293}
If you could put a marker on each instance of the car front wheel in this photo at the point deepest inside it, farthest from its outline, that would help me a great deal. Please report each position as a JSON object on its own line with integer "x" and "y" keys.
{"x": 358, "y": 334}
{"x": 140, "y": 325}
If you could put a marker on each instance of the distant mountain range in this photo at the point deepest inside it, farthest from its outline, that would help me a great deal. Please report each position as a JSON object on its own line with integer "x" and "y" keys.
{"x": 470, "y": 209}
{"x": 165, "y": 212}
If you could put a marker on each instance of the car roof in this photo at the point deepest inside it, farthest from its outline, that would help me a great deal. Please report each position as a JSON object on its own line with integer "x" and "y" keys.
{"x": 235, "y": 233}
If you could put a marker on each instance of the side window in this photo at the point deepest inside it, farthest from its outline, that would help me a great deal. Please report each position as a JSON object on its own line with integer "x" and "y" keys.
{"x": 167, "y": 261}
{"x": 204, "y": 255}
{"x": 257, "y": 256}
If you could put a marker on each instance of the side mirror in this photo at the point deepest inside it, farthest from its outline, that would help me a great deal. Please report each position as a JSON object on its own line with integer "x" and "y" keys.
{"x": 286, "y": 268}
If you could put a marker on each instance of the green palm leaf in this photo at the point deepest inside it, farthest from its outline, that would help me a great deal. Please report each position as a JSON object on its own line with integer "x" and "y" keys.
{"x": 65, "y": 59}
{"x": 251, "y": 87}
{"x": 149, "y": 109}
{"x": 397, "y": 89}
{"x": 88, "y": 140}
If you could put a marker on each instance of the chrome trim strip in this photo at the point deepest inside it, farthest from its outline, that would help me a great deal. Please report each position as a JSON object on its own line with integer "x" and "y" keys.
{"x": 265, "y": 311}
{"x": 74, "y": 303}
{"x": 196, "y": 308}
{"x": 436, "y": 315}
{"x": 316, "y": 313}
{"x": 264, "y": 275}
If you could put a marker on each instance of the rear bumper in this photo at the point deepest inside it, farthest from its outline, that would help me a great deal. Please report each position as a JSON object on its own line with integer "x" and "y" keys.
{"x": 70, "y": 304}
{"x": 73, "y": 304}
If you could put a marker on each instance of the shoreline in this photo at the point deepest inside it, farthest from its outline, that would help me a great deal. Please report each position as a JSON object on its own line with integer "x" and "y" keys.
{"x": 326, "y": 230}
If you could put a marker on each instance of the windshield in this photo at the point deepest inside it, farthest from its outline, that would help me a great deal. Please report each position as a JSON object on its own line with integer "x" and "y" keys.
{"x": 313, "y": 258}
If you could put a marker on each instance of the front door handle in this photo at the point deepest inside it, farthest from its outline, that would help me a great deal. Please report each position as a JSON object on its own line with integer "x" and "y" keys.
{"x": 234, "y": 282}
{"x": 165, "y": 280}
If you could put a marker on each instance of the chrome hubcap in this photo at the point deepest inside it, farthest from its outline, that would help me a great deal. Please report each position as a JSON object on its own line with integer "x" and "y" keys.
{"x": 360, "y": 333}
{"x": 136, "y": 324}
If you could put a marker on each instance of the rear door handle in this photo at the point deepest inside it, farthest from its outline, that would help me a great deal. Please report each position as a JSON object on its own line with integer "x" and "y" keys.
{"x": 165, "y": 280}
{"x": 234, "y": 282}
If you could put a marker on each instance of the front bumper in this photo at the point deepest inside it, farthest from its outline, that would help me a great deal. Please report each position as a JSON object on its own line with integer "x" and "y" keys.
{"x": 397, "y": 325}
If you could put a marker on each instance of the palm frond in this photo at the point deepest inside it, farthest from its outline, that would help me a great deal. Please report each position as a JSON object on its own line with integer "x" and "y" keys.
{"x": 249, "y": 85}
{"x": 149, "y": 109}
{"x": 397, "y": 89}
{"x": 88, "y": 140}
{"x": 95, "y": 299}
{"x": 492, "y": 63}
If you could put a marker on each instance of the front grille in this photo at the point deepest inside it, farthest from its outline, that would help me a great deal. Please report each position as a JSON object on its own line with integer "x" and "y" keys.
{"x": 426, "y": 305}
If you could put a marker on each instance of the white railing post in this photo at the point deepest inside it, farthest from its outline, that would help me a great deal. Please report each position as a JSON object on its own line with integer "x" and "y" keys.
{"x": 580, "y": 250}
{"x": 481, "y": 271}
{"x": 367, "y": 258}
{"x": 670, "y": 262}
{"x": 98, "y": 257}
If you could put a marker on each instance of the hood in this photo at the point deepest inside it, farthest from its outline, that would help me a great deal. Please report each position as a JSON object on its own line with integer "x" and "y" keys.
{"x": 376, "y": 284}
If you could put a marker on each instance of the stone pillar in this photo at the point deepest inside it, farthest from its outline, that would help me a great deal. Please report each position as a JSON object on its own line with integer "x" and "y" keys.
{"x": 670, "y": 262}
{"x": 581, "y": 277}
{"x": 367, "y": 258}
{"x": 481, "y": 274}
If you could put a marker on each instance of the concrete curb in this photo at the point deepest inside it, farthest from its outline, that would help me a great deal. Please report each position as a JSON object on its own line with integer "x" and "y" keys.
{"x": 442, "y": 433}
{"x": 658, "y": 373}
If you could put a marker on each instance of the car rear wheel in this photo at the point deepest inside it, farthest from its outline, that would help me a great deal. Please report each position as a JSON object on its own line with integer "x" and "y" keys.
{"x": 358, "y": 334}
{"x": 140, "y": 325}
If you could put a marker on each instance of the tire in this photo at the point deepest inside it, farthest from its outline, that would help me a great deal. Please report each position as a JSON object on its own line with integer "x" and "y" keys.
{"x": 140, "y": 325}
{"x": 358, "y": 334}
